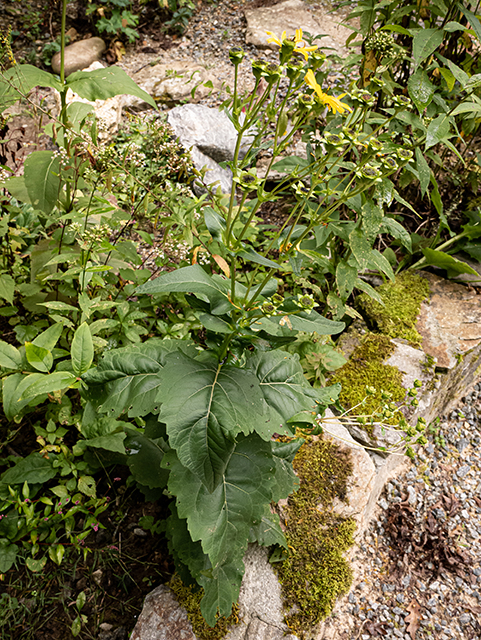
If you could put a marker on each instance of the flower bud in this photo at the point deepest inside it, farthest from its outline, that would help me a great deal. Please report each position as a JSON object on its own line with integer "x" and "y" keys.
{"x": 404, "y": 155}
{"x": 305, "y": 102}
{"x": 334, "y": 139}
{"x": 236, "y": 55}
{"x": 287, "y": 49}
{"x": 259, "y": 69}
{"x": 293, "y": 69}
{"x": 273, "y": 73}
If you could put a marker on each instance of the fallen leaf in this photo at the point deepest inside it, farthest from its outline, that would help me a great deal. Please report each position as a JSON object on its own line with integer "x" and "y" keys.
{"x": 413, "y": 618}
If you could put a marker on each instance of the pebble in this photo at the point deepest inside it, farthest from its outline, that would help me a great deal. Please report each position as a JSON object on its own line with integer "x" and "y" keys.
{"x": 452, "y": 500}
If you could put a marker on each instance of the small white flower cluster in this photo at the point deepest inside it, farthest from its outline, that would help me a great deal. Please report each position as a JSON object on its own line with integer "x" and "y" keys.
{"x": 5, "y": 174}
{"x": 91, "y": 237}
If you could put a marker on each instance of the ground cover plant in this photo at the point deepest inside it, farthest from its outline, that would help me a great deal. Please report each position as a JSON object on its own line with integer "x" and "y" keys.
{"x": 193, "y": 382}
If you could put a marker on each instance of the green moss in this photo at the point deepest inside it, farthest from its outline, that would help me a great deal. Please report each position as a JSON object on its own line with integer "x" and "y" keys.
{"x": 402, "y": 301}
{"x": 190, "y": 600}
{"x": 366, "y": 368}
{"x": 316, "y": 573}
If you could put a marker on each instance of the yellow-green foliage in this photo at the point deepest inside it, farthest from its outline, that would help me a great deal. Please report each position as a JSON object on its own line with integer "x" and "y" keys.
{"x": 316, "y": 572}
{"x": 190, "y": 600}
{"x": 402, "y": 301}
{"x": 366, "y": 368}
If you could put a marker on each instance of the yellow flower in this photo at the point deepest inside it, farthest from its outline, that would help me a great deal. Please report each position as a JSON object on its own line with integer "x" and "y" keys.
{"x": 332, "y": 103}
{"x": 299, "y": 44}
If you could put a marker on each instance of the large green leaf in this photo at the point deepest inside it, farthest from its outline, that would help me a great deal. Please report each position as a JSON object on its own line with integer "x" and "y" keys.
{"x": 286, "y": 480}
{"x": 8, "y": 553}
{"x": 222, "y": 519}
{"x": 42, "y": 177}
{"x": 82, "y": 351}
{"x": 285, "y": 325}
{"x": 424, "y": 171}
{"x": 268, "y": 531}
{"x": 381, "y": 263}
{"x": 421, "y": 89}
{"x": 472, "y": 19}
{"x": 128, "y": 379}
{"x": 192, "y": 279}
{"x": 346, "y": 276}
{"x": 10, "y": 357}
{"x": 40, "y": 358}
{"x": 33, "y": 469}
{"x": 12, "y": 389}
{"x": 49, "y": 338}
{"x": 205, "y": 405}
{"x": 372, "y": 214}
{"x": 20, "y": 79}
{"x": 101, "y": 84}
{"x": 360, "y": 247}
{"x": 145, "y": 460}
{"x": 425, "y": 43}
{"x": 283, "y": 385}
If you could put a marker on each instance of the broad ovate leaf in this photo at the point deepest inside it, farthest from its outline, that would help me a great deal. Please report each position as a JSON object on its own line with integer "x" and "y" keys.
{"x": 82, "y": 351}
{"x": 42, "y": 178}
{"x": 205, "y": 405}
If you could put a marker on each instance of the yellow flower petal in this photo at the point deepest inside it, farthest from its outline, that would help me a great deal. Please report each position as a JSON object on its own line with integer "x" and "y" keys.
{"x": 332, "y": 103}
{"x": 298, "y": 37}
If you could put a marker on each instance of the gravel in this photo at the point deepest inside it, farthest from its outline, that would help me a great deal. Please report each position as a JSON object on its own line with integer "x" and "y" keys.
{"x": 421, "y": 573}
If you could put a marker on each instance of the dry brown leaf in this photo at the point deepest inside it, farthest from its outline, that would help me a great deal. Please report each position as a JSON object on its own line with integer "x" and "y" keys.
{"x": 222, "y": 264}
{"x": 413, "y": 619}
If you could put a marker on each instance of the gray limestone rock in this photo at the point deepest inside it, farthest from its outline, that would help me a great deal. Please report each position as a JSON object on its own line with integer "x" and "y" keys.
{"x": 211, "y": 138}
{"x": 79, "y": 55}
{"x": 162, "y": 618}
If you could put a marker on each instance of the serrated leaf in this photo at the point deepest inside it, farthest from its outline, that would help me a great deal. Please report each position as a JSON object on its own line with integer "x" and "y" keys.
{"x": 268, "y": 531}
{"x": 283, "y": 385}
{"x": 421, "y": 89}
{"x": 204, "y": 406}
{"x": 10, "y": 357}
{"x": 424, "y": 171}
{"x": 33, "y": 469}
{"x": 41, "y": 359}
{"x": 425, "y": 42}
{"x": 145, "y": 460}
{"x": 192, "y": 279}
{"x": 391, "y": 226}
{"x": 222, "y": 519}
{"x": 8, "y": 553}
{"x": 128, "y": 379}
{"x": 7, "y": 287}
{"x": 286, "y": 480}
{"x": 82, "y": 351}
{"x": 48, "y": 383}
{"x": 42, "y": 177}
{"x": 101, "y": 84}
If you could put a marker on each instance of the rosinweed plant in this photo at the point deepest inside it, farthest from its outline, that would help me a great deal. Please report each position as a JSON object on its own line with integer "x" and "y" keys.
{"x": 214, "y": 408}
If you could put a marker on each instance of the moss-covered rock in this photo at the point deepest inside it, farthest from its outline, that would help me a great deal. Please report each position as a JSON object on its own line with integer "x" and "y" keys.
{"x": 190, "y": 599}
{"x": 366, "y": 368}
{"x": 316, "y": 573}
{"x": 402, "y": 299}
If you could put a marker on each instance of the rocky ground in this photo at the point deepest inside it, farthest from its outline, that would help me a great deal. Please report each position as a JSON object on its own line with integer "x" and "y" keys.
{"x": 418, "y": 569}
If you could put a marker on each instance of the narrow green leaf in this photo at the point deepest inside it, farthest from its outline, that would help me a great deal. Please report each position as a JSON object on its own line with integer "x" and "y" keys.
{"x": 460, "y": 75}
{"x": 472, "y": 19}
{"x": 82, "y": 351}
{"x": 49, "y": 338}
{"x": 290, "y": 164}
{"x": 10, "y": 357}
{"x": 467, "y": 107}
{"x": 449, "y": 77}
{"x": 192, "y": 279}
{"x": 425, "y": 42}
{"x": 56, "y": 305}
{"x": 42, "y": 177}
{"x": 423, "y": 170}
{"x": 7, "y": 287}
{"x": 366, "y": 287}
{"x": 452, "y": 265}
{"x": 372, "y": 214}
{"x": 250, "y": 255}
{"x": 41, "y": 359}
{"x": 391, "y": 226}
{"x": 49, "y": 383}
{"x": 346, "y": 276}
{"x": 378, "y": 261}
{"x": 438, "y": 130}
{"x": 452, "y": 26}
{"x": 101, "y": 84}
{"x": 214, "y": 222}
{"x": 360, "y": 247}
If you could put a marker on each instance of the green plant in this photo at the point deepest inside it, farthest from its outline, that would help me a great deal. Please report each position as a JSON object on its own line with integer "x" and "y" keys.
{"x": 182, "y": 11}
{"x": 115, "y": 19}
